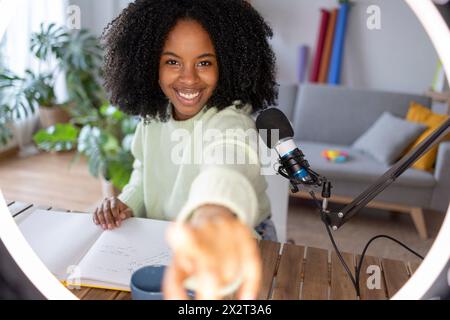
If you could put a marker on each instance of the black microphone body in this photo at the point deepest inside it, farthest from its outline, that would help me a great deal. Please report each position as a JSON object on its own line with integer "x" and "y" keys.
{"x": 279, "y": 136}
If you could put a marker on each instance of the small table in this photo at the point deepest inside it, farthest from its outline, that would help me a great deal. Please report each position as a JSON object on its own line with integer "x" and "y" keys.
{"x": 290, "y": 272}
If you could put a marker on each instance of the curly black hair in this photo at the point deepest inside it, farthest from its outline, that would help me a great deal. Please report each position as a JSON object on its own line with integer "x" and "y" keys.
{"x": 134, "y": 42}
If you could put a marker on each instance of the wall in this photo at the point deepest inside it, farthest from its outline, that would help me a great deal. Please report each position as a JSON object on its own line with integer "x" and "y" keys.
{"x": 399, "y": 57}
{"x": 96, "y": 14}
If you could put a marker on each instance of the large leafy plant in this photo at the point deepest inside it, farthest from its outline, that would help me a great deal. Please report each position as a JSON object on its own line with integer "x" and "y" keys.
{"x": 25, "y": 93}
{"x": 60, "y": 137}
{"x": 79, "y": 56}
{"x": 107, "y": 145}
{"x": 20, "y": 96}
{"x": 100, "y": 132}
{"x": 104, "y": 139}
{"x": 5, "y": 120}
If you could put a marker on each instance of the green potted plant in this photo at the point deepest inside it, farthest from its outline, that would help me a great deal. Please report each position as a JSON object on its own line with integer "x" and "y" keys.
{"x": 104, "y": 139}
{"x": 78, "y": 56}
{"x": 5, "y": 110}
{"x": 106, "y": 143}
{"x": 19, "y": 98}
{"x": 50, "y": 112}
{"x": 99, "y": 131}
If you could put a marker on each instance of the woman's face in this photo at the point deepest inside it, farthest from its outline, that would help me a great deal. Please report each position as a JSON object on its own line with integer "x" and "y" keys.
{"x": 188, "y": 70}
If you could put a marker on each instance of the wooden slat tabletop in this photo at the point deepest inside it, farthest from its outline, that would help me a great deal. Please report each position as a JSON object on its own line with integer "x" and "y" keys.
{"x": 375, "y": 289}
{"x": 396, "y": 274}
{"x": 315, "y": 275}
{"x": 288, "y": 277}
{"x": 341, "y": 285}
{"x": 17, "y": 208}
{"x": 271, "y": 252}
{"x": 412, "y": 267}
{"x": 290, "y": 272}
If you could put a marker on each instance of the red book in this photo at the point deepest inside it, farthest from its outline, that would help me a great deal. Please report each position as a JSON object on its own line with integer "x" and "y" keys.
{"x": 325, "y": 16}
{"x": 326, "y": 55}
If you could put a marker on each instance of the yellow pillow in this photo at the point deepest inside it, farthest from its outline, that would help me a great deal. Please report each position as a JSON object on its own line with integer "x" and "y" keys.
{"x": 420, "y": 114}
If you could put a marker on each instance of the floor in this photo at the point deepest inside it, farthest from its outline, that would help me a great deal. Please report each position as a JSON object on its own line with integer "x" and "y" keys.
{"x": 56, "y": 180}
{"x": 53, "y": 179}
{"x": 305, "y": 227}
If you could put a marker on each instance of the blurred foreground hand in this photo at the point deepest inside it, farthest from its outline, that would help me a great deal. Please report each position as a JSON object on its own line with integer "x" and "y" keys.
{"x": 217, "y": 250}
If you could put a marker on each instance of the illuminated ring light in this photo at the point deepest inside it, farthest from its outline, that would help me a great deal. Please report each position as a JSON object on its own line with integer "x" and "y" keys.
{"x": 438, "y": 256}
{"x": 416, "y": 287}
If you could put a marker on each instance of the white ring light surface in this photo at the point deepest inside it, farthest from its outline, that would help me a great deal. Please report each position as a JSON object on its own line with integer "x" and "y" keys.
{"x": 439, "y": 254}
{"x": 27, "y": 259}
{"x": 422, "y": 280}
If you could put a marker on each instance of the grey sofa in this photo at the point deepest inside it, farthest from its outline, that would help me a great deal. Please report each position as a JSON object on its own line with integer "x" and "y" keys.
{"x": 333, "y": 117}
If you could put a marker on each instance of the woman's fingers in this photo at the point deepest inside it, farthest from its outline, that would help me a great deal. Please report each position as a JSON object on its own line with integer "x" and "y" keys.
{"x": 189, "y": 260}
{"x": 208, "y": 284}
{"x": 100, "y": 216}
{"x": 172, "y": 286}
{"x": 115, "y": 212}
{"x": 107, "y": 214}
{"x": 251, "y": 272}
{"x": 110, "y": 213}
{"x": 182, "y": 239}
{"x": 95, "y": 216}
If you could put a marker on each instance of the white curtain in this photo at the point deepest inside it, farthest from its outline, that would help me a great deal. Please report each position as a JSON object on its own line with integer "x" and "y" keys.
{"x": 18, "y": 20}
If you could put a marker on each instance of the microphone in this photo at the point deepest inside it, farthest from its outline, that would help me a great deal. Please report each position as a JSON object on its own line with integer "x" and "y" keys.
{"x": 293, "y": 164}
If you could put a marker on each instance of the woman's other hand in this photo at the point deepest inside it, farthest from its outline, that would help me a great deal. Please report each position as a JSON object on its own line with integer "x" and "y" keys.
{"x": 110, "y": 213}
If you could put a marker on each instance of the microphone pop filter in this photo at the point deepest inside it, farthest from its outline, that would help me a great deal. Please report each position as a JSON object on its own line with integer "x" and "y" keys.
{"x": 273, "y": 119}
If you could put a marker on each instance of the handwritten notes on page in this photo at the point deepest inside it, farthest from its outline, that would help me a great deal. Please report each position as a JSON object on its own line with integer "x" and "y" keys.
{"x": 64, "y": 240}
{"x": 118, "y": 253}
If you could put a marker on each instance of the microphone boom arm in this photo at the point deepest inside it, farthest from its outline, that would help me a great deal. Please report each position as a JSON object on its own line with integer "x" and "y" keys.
{"x": 337, "y": 219}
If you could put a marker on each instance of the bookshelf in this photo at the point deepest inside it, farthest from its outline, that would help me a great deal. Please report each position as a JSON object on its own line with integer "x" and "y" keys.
{"x": 442, "y": 97}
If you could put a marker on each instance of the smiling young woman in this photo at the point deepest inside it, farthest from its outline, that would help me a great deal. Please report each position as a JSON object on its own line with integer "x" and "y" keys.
{"x": 190, "y": 66}
{"x": 188, "y": 71}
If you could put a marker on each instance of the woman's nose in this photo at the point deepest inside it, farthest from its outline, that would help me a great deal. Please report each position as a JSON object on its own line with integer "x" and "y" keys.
{"x": 189, "y": 74}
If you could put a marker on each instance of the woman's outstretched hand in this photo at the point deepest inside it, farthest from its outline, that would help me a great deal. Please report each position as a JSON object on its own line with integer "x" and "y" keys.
{"x": 110, "y": 213}
{"x": 217, "y": 249}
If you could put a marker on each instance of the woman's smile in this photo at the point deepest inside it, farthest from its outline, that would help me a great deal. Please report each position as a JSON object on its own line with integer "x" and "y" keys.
{"x": 188, "y": 98}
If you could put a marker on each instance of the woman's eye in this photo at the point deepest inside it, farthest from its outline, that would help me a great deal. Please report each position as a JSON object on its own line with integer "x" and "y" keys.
{"x": 171, "y": 62}
{"x": 204, "y": 63}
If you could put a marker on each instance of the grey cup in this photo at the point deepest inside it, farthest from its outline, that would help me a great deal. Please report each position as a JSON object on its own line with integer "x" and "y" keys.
{"x": 146, "y": 283}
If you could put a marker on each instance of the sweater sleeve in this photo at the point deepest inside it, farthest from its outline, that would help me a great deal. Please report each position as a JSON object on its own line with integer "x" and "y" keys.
{"x": 230, "y": 171}
{"x": 132, "y": 194}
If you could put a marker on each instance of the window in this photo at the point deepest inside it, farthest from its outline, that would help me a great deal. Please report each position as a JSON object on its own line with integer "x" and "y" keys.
{"x": 2, "y": 53}
{"x": 18, "y": 20}
{"x": 25, "y": 17}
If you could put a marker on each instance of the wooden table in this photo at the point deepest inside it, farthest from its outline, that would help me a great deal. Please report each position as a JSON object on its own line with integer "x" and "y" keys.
{"x": 289, "y": 272}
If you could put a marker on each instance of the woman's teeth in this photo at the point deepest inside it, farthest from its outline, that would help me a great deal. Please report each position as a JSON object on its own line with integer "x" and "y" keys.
{"x": 189, "y": 96}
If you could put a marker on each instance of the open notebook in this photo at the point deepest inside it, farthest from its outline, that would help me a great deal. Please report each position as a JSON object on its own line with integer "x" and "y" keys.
{"x": 77, "y": 251}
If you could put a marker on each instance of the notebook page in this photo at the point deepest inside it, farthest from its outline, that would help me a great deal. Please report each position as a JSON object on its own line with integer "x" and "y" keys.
{"x": 60, "y": 239}
{"x": 118, "y": 253}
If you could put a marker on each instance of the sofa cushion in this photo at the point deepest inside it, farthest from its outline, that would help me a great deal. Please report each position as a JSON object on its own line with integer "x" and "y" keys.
{"x": 420, "y": 114}
{"x": 388, "y": 138}
{"x": 359, "y": 168}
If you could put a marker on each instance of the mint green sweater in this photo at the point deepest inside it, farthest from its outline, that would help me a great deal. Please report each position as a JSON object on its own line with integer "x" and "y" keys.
{"x": 180, "y": 166}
